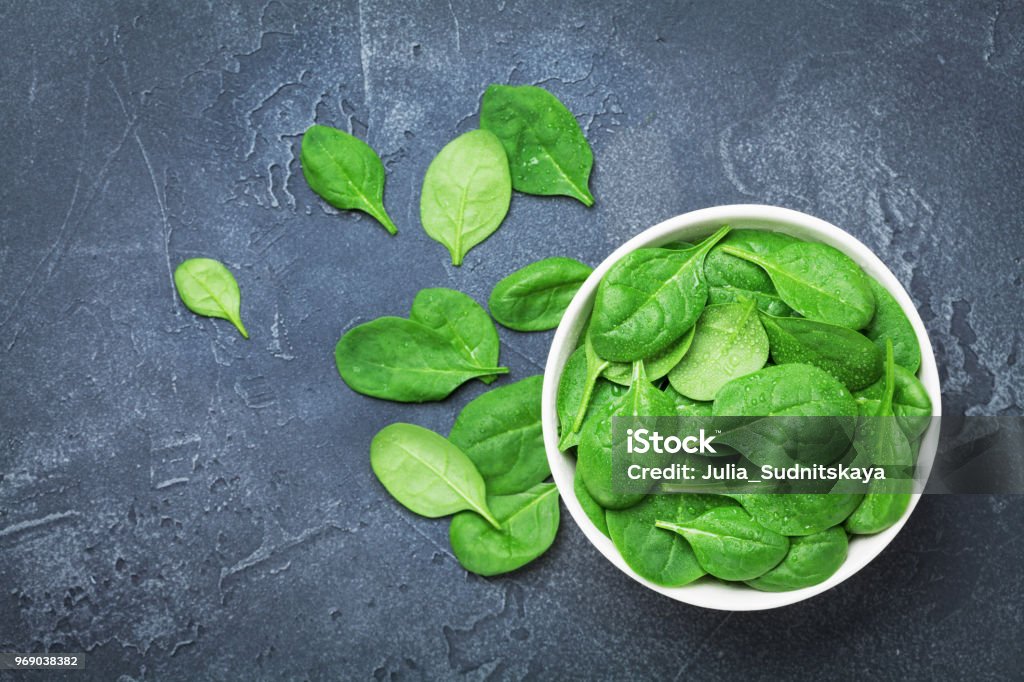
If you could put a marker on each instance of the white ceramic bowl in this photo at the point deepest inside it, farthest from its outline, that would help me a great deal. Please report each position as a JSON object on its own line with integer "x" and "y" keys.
{"x": 691, "y": 227}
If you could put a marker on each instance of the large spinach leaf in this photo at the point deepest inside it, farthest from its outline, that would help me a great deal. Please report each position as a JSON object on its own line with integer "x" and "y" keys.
{"x": 535, "y": 297}
{"x": 729, "y": 544}
{"x": 402, "y": 360}
{"x": 842, "y": 352}
{"x": 466, "y": 192}
{"x": 345, "y": 171}
{"x": 426, "y": 473}
{"x": 818, "y": 281}
{"x": 500, "y": 431}
{"x": 528, "y": 525}
{"x": 812, "y": 559}
{"x": 545, "y": 146}
{"x": 648, "y": 300}
{"x": 799, "y": 513}
{"x": 463, "y": 321}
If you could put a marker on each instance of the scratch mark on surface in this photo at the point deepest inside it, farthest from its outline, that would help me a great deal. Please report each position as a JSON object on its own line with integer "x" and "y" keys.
{"x": 163, "y": 214}
{"x": 695, "y": 656}
{"x": 32, "y": 524}
{"x": 458, "y": 33}
{"x": 171, "y": 482}
{"x": 364, "y": 60}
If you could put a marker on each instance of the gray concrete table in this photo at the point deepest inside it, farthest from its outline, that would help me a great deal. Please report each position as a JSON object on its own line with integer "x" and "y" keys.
{"x": 184, "y": 504}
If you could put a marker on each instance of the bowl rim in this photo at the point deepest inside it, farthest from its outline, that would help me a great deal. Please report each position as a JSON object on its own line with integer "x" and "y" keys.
{"x": 707, "y": 594}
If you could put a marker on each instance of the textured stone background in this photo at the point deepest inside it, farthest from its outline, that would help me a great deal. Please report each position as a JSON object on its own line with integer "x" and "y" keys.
{"x": 183, "y": 504}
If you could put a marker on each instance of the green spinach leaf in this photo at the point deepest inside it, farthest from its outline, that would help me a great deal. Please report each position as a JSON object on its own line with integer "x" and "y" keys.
{"x": 500, "y": 431}
{"x": 657, "y": 366}
{"x": 812, "y": 559}
{"x": 798, "y": 390}
{"x": 665, "y": 559}
{"x": 725, "y": 270}
{"x": 767, "y": 303}
{"x": 535, "y": 297}
{"x": 546, "y": 148}
{"x": 466, "y": 192}
{"x": 591, "y": 508}
{"x": 463, "y": 321}
{"x": 799, "y": 513}
{"x": 594, "y": 455}
{"x": 208, "y": 288}
{"x": 426, "y": 473}
{"x": 345, "y": 171}
{"x": 911, "y": 403}
{"x": 729, "y": 544}
{"x": 649, "y": 299}
{"x": 818, "y": 281}
{"x": 402, "y": 360}
{"x": 581, "y": 393}
{"x": 845, "y": 354}
{"x": 529, "y": 523}
{"x": 890, "y": 322}
{"x": 729, "y": 343}
{"x": 886, "y": 445}
{"x": 687, "y": 407}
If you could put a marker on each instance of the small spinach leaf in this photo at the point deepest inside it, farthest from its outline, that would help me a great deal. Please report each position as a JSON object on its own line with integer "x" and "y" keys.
{"x": 466, "y": 192}
{"x": 463, "y": 321}
{"x": 648, "y": 299}
{"x": 426, "y": 473}
{"x": 657, "y": 366}
{"x": 799, "y": 513}
{"x": 594, "y": 455}
{"x": 911, "y": 403}
{"x": 767, "y": 303}
{"x": 845, "y": 354}
{"x": 886, "y": 445}
{"x": 798, "y": 390}
{"x": 402, "y": 360}
{"x": 725, "y": 270}
{"x": 345, "y": 171}
{"x": 729, "y": 343}
{"x": 663, "y": 558}
{"x": 500, "y": 431}
{"x": 890, "y": 322}
{"x": 818, "y": 281}
{"x": 529, "y": 523}
{"x": 208, "y": 288}
{"x": 687, "y": 407}
{"x": 575, "y": 400}
{"x": 729, "y": 544}
{"x": 546, "y": 148}
{"x": 535, "y": 297}
{"x": 812, "y": 559}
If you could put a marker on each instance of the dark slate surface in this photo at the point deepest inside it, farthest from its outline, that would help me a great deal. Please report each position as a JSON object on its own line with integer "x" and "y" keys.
{"x": 183, "y": 504}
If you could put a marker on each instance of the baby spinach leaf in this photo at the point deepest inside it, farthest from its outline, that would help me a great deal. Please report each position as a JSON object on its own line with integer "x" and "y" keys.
{"x": 426, "y": 473}
{"x": 591, "y": 508}
{"x": 500, "y": 431}
{"x": 466, "y": 192}
{"x": 574, "y": 399}
{"x": 546, "y": 148}
{"x": 818, "y": 281}
{"x": 664, "y": 558}
{"x": 890, "y": 322}
{"x": 729, "y": 343}
{"x": 845, "y": 354}
{"x": 812, "y": 559}
{"x": 729, "y": 544}
{"x": 768, "y": 303}
{"x": 657, "y": 366}
{"x": 649, "y": 299}
{"x": 208, "y": 288}
{"x": 725, "y": 270}
{"x": 911, "y": 403}
{"x": 529, "y": 523}
{"x": 345, "y": 171}
{"x": 886, "y": 445}
{"x": 799, "y": 513}
{"x": 535, "y": 297}
{"x": 402, "y": 360}
{"x": 463, "y": 321}
{"x": 594, "y": 455}
{"x": 798, "y": 390}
